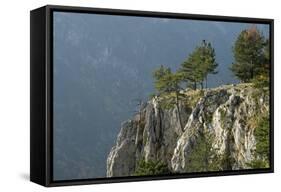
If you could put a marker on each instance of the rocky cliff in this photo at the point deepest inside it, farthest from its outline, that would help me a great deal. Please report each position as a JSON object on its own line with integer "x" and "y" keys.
{"x": 217, "y": 133}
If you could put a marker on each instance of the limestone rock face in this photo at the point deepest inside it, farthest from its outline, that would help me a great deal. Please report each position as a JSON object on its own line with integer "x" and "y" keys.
{"x": 121, "y": 159}
{"x": 151, "y": 135}
{"x": 156, "y": 134}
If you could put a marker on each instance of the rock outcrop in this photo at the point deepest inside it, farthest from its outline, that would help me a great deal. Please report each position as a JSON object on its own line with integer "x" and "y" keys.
{"x": 222, "y": 113}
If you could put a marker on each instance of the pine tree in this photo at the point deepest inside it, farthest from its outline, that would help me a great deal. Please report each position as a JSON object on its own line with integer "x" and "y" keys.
{"x": 168, "y": 82}
{"x": 249, "y": 54}
{"x": 190, "y": 71}
{"x": 199, "y": 64}
{"x": 208, "y": 57}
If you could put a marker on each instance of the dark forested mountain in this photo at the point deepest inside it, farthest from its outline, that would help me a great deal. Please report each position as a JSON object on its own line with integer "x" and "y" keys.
{"x": 103, "y": 65}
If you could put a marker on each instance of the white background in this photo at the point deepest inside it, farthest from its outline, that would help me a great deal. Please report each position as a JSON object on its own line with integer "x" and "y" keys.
{"x": 14, "y": 94}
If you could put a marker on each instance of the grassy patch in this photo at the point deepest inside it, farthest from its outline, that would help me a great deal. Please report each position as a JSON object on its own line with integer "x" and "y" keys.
{"x": 192, "y": 97}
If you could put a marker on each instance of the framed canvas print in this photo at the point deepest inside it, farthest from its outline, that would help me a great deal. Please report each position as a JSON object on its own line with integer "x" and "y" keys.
{"x": 119, "y": 95}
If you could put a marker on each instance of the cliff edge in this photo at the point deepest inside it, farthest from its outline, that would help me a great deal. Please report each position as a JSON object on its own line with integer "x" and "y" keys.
{"x": 218, "y": 132}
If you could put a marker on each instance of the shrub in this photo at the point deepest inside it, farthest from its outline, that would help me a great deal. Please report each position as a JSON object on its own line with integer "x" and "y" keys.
{"x": 261, "y": 153}
{"x": 151, "y": 168}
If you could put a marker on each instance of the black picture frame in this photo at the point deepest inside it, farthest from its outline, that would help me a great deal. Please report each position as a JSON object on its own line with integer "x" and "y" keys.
{"x": 41, "y": 93}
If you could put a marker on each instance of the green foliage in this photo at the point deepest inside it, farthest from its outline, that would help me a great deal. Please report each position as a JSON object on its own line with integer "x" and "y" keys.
{"x": 150, "y": 167}
{"x": 192, "y": 98}
{"x": 258, "y": 163}
{"x": 223, "y": 113}
{"x": 194, "y": 70}
{"x": 261, "y": 81}
{"x": 201, "y": 62}
{"x": 261, "y": 152}
{"x": 166, "y": 81}
{"x": 251, "y": 54}
{"x": 262, "y": 137}
{"x": 226, "y": 161}
{"x": 267, "y": 52}
{"x": 204, "y": 156}
{"x": 167, "y": 101}
{"x": 190, "y": 71}
{"x": 198, "y": 160}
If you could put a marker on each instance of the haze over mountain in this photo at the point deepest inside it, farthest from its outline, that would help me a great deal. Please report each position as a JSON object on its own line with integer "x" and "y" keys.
{"x": 103, "y": 65}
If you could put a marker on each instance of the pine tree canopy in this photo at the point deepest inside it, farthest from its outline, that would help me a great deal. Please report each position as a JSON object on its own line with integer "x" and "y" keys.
{"x": 166, "y": 81}
{"x": 251, "y": 54}
{"x": 199, "y": 64}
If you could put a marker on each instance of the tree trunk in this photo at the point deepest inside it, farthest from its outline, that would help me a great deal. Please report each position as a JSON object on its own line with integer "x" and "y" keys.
{"x": 178, "y": 109}
{"x": 206, "y": 83}
{"x": 252, "y": 70}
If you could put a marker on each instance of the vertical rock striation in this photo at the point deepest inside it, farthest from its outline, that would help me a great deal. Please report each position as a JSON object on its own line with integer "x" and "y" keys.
{"x": 155, "y": 134}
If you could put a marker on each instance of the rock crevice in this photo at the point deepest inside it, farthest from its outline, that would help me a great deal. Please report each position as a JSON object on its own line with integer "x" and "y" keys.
{"x": 155, "y": 134}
